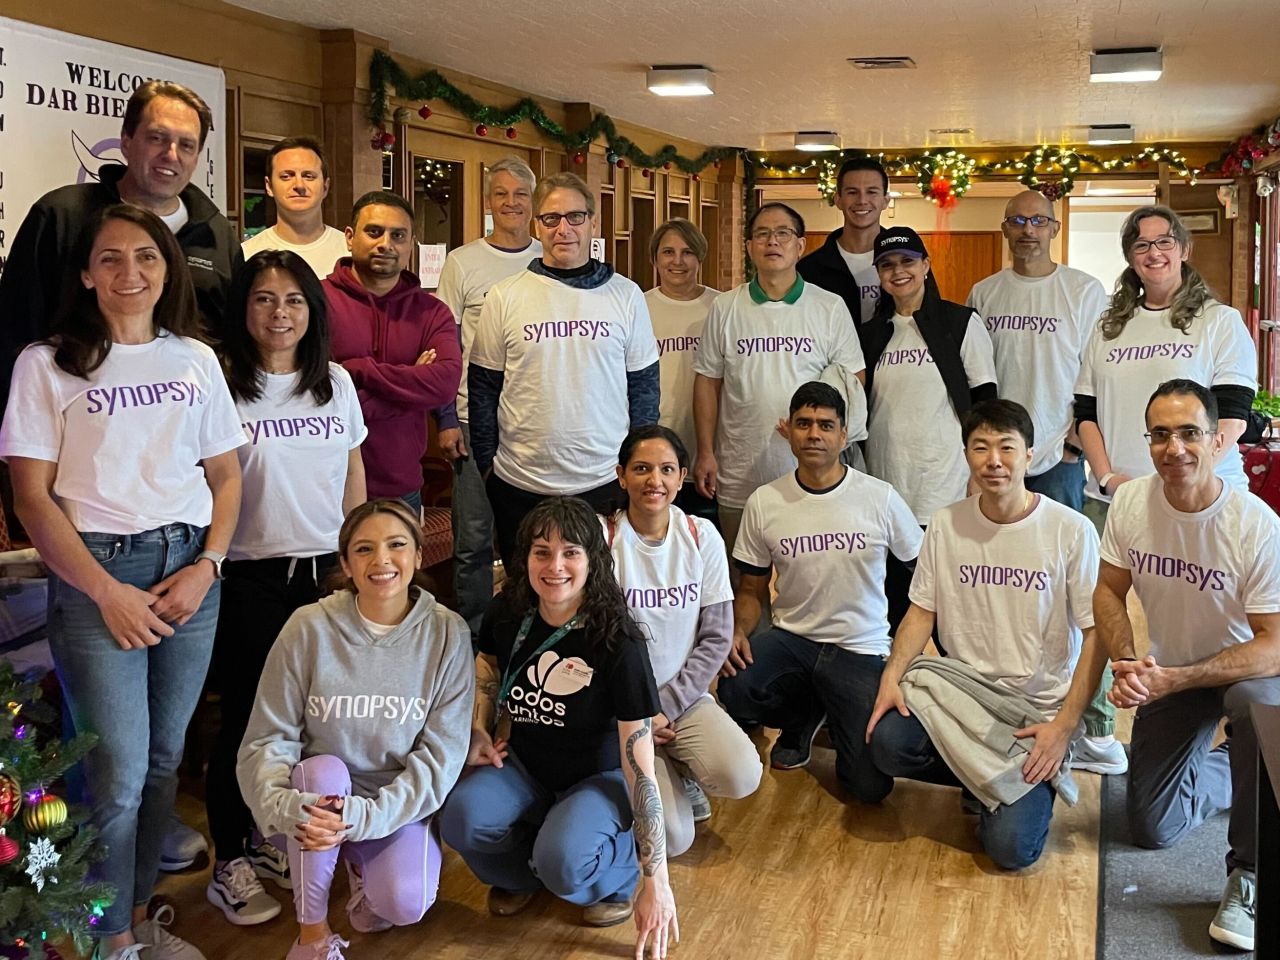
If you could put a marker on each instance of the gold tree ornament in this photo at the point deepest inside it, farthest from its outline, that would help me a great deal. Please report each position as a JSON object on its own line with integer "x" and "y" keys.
{"x": 45, "y": 814}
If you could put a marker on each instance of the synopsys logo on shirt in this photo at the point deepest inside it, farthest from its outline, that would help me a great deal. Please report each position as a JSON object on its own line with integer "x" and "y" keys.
{"x": 567, "y": 329}
{"x": 915, "y": 357}
{"x": 1165, "y": 351}
{"x": 749, "y": 346}
{"x": 1016, "y": 321}
{"x": 288, "y": 427}
{"x": 367, "y": 706}
{"x": 1175, "y": 568}
{"x": 550, "y": 679}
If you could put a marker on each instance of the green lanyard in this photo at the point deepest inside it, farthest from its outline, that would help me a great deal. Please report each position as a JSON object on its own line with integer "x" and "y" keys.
{"x": 509, "y": 677}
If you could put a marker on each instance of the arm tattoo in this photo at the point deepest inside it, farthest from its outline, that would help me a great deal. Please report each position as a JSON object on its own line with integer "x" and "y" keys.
{"x": 487, "y": 688}
{"x": 646, "y": 810}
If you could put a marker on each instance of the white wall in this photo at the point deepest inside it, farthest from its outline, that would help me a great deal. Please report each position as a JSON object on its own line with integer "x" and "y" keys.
{"x": 1094, "y": 242}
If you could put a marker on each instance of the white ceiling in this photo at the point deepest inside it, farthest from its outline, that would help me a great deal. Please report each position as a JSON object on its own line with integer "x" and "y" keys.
{"x": 1015, "y": 71}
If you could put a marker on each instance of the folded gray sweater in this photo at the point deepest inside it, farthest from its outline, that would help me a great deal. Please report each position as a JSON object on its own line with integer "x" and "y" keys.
{"x": 971, "y": 721}
{"x": 395, "y": 709}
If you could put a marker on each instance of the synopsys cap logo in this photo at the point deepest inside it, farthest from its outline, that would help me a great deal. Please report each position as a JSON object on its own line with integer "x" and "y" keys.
{"x": 885, "y": 241}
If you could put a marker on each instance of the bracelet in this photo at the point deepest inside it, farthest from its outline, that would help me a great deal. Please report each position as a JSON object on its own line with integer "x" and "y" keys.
{"x": 1072, "y": 448}
{"x": 1106, "y": 478}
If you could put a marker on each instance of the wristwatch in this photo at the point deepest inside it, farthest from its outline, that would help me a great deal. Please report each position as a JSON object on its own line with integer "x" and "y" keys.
{"x": 215, "y": 558}
{"x": 1072, "y": 448}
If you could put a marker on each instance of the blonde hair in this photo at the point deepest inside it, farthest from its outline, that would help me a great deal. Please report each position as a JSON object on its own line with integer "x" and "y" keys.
{"x": 690, "y": 234}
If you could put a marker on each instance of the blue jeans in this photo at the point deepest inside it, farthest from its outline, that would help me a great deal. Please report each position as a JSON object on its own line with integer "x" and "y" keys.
{"x": 472, "y": 539}
{"x": 516, "y": 835}
{"x": 1063, "y": 482}
{"x": 413, "y": 500}
{"x": 1013, "y": 835}
{"x": 138, "y": 702}
{"x": 792, "y": 680}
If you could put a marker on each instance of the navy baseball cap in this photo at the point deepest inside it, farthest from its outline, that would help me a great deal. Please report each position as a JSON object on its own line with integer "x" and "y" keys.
{"x": 899, "y": 240}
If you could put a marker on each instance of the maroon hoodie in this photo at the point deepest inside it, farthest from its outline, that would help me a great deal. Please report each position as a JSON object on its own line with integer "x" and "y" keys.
{"x": 377, "y": 340}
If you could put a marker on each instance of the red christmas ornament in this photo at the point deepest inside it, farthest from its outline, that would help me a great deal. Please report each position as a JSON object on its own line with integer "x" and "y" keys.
{"x": 716, "y": 164}
{"x": 696, "y": 178}
{"x": 8, "y": 849}
{"x": 424, "y": 112}
{"x": 10, "y": 797}
{"x": 645, "y": 174}
{"x": 511, "y": 133}
{"x": 482, "y": 130}
{"x": 578, "y": 158}
{"x": 388, "y": 139}
{"x": 621, "y": 163}
{"x": 667, "y": 165}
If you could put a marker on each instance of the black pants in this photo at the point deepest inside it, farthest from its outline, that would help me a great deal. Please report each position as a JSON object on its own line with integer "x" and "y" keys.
{"x": 258, "y": 597}
{"x": 512, "y": 504}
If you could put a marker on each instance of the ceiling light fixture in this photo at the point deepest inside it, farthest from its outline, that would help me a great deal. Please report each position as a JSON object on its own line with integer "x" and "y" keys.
{"x": 688, "y": 80}
{"x": 1106, "y": 134}
{"x": 1127, "y": 65}
{"x": 817, "y": 141}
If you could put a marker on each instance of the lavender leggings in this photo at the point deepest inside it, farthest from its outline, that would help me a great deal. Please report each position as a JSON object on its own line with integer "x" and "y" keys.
{"x": 401, "y": 872}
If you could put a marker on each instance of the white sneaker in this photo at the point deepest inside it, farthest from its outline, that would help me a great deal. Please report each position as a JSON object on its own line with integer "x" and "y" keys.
{"x": 359, "y": 911}
{"x": 131, "y": 952}
{"x": 1103, "y": 755}
{"x": 330, "y": 948}
{"x": 270, "y": 863}
{"x": 153, "y": 933}
{"x": 181, "y": 846}
{"x": 236, "y": 890}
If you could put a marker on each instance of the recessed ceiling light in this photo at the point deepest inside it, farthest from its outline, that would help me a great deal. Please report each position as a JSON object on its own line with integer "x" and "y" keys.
{"x": 1105, "y": 134}
{"x": 688, "y": 80}
{"x": 882, "y": 63}
{"x": 816, "y": 141}
{"x": 951, "y": 131}
{"x": 1127, "y": 65}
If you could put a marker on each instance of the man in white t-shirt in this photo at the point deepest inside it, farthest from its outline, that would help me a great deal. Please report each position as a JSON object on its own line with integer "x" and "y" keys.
{"x": 1007, "y": 577}
{"x": 761, "y": 341}
{"x": 1040, "y": 314}
{"x": 1201, "y": 556}
{"x": 826, "y": 530}
{"x": 298, "y": 181}
{"x": 844, "y": 264}
{"x": 469, "y": 272}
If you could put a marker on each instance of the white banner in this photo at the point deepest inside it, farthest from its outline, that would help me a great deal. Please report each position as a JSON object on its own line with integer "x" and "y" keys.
{"x": 62, "y": 98}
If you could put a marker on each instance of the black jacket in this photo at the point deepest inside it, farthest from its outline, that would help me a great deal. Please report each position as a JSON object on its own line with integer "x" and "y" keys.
{"x": 40, "y": 258}
{"x": 943, "y": 325}
{"x": 827, "y": 269}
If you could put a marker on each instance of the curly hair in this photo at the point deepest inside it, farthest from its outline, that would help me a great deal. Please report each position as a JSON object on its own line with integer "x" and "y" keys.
{"x": 1193, "y": 293}
{"x": 603, "y": 608}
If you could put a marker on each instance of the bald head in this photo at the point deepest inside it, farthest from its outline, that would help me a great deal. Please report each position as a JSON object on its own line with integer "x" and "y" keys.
{"x": 1028, "y": 243}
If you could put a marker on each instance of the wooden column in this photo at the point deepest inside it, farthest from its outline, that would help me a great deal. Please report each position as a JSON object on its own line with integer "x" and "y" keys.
{"x": 354, "y": 166}
{"x": 731, "y": 224}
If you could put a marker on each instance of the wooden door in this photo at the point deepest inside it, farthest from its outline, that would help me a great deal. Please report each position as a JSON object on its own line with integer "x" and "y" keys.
{"x": 962, "y": 259}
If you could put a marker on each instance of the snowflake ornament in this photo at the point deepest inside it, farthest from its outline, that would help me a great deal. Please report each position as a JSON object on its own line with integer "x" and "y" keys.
{"x": 41, "y": 858}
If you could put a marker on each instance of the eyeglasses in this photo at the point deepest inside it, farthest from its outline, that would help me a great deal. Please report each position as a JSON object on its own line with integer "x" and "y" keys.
{"x": 1140, "y": 247}
{"x": 1188, "y": 435}
{"x": 576, "y": 218}
{"x": 1036, "y": 221}
{"x": 781, "y": 234}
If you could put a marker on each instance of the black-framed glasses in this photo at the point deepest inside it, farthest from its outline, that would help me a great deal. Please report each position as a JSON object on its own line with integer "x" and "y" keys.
{"x": 1165, "y": 244}
{"x": 576, "y": 218}
{"x": 781, "y": 234}
{"x": 1188, "y": 435}
{"x": 1039, "y": 220}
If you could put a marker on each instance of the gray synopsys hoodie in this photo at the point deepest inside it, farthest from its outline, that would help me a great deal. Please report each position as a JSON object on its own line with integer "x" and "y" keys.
{"x": 396, "y": 710}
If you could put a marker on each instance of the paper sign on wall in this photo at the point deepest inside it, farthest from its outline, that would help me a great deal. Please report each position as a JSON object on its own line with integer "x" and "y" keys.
{"x": 431, "y": 263}
{"x": 597, "y": 248}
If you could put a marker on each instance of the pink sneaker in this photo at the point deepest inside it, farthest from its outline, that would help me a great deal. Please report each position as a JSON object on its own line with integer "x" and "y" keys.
{"x": 359, "y": 912}
{"x": 330, "y": 948}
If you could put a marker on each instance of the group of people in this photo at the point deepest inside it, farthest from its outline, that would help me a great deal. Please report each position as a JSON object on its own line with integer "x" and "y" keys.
{"x": 714, "y": 511}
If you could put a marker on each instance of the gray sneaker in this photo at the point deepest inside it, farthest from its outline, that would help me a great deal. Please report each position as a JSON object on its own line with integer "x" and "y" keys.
{"x": 697, "y": 799}
{"x": 1233, "y": 924}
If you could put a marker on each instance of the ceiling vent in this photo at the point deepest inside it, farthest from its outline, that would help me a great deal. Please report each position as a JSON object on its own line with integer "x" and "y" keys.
{"x": 882, "y": 63}
{"x": 951, "y": 131}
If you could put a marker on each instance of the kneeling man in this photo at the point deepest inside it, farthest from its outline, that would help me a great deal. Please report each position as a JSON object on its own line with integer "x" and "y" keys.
{"x": 1007, "y": 576}
{"x": 827, "y": 530}
{"x": 1202, "y": 557}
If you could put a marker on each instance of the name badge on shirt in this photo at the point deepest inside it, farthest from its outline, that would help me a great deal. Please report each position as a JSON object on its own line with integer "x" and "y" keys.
{"x": 578, "y": 672}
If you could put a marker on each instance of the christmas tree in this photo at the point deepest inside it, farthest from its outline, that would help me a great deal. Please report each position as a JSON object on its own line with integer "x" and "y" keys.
{"x": 45, "y": 849}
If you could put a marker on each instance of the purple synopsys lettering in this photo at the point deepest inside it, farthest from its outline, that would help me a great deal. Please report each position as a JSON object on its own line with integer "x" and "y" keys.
{"x": 870, "y": 291}
{"x": 649, "y": 598}
{"x": 748, "y": 346}
{"x": 913, "y": 358}
{"x": 113, "y": 399}
{"x": 1015, "y": 321}
{"x": 1176, "y": 568}
{"x": 974, "y": 575}
{"x": 677, "y": 345}
{"x": 285, "y": 428}
{"x": 1168, "y": 351}
{"x": 846, "y": 542}
{"x": 564, "y": 329}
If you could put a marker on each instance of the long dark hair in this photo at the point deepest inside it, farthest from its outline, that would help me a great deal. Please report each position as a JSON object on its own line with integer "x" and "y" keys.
{"x": 80, "y": 336}
{"x": 241, "y": 359}
{"x": 604, "y": 608}
{"x": 397, "y": 508}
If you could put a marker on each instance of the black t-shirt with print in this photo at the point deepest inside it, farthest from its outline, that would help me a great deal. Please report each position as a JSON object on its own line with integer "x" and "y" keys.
{"x": 566, "y": 702}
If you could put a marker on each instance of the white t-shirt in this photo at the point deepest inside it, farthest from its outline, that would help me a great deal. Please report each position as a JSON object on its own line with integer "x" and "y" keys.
{"x": 174, "y": 221}
{"x": 1039, "y": 327}
{"x": 913, "y": 433}
{"x": 677, "y": 325}
{"x": 667, "y": 585}
{"x": 1012, "y": 599}
{"x": 866, "y": 277}
{"x": 321, "y": 255}
{"x": 129, "y": 438}
{"x": 1124, "y": 372}
{"x": 566, "y": 354}
{"x": 294, "y": 468}
{"x": 1198, "y": 575}
{"x": 762, "y": 352}
{"x": 468, "y": 273}
{"x": 829, "y": 551}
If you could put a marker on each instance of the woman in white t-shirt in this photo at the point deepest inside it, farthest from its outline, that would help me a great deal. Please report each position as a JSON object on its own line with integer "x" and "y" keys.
{"x": 302, "y": 474}
{"x": 1163, "y": 323}
{"x": 674, "y": 574}
{"x": 120, "y": 435}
